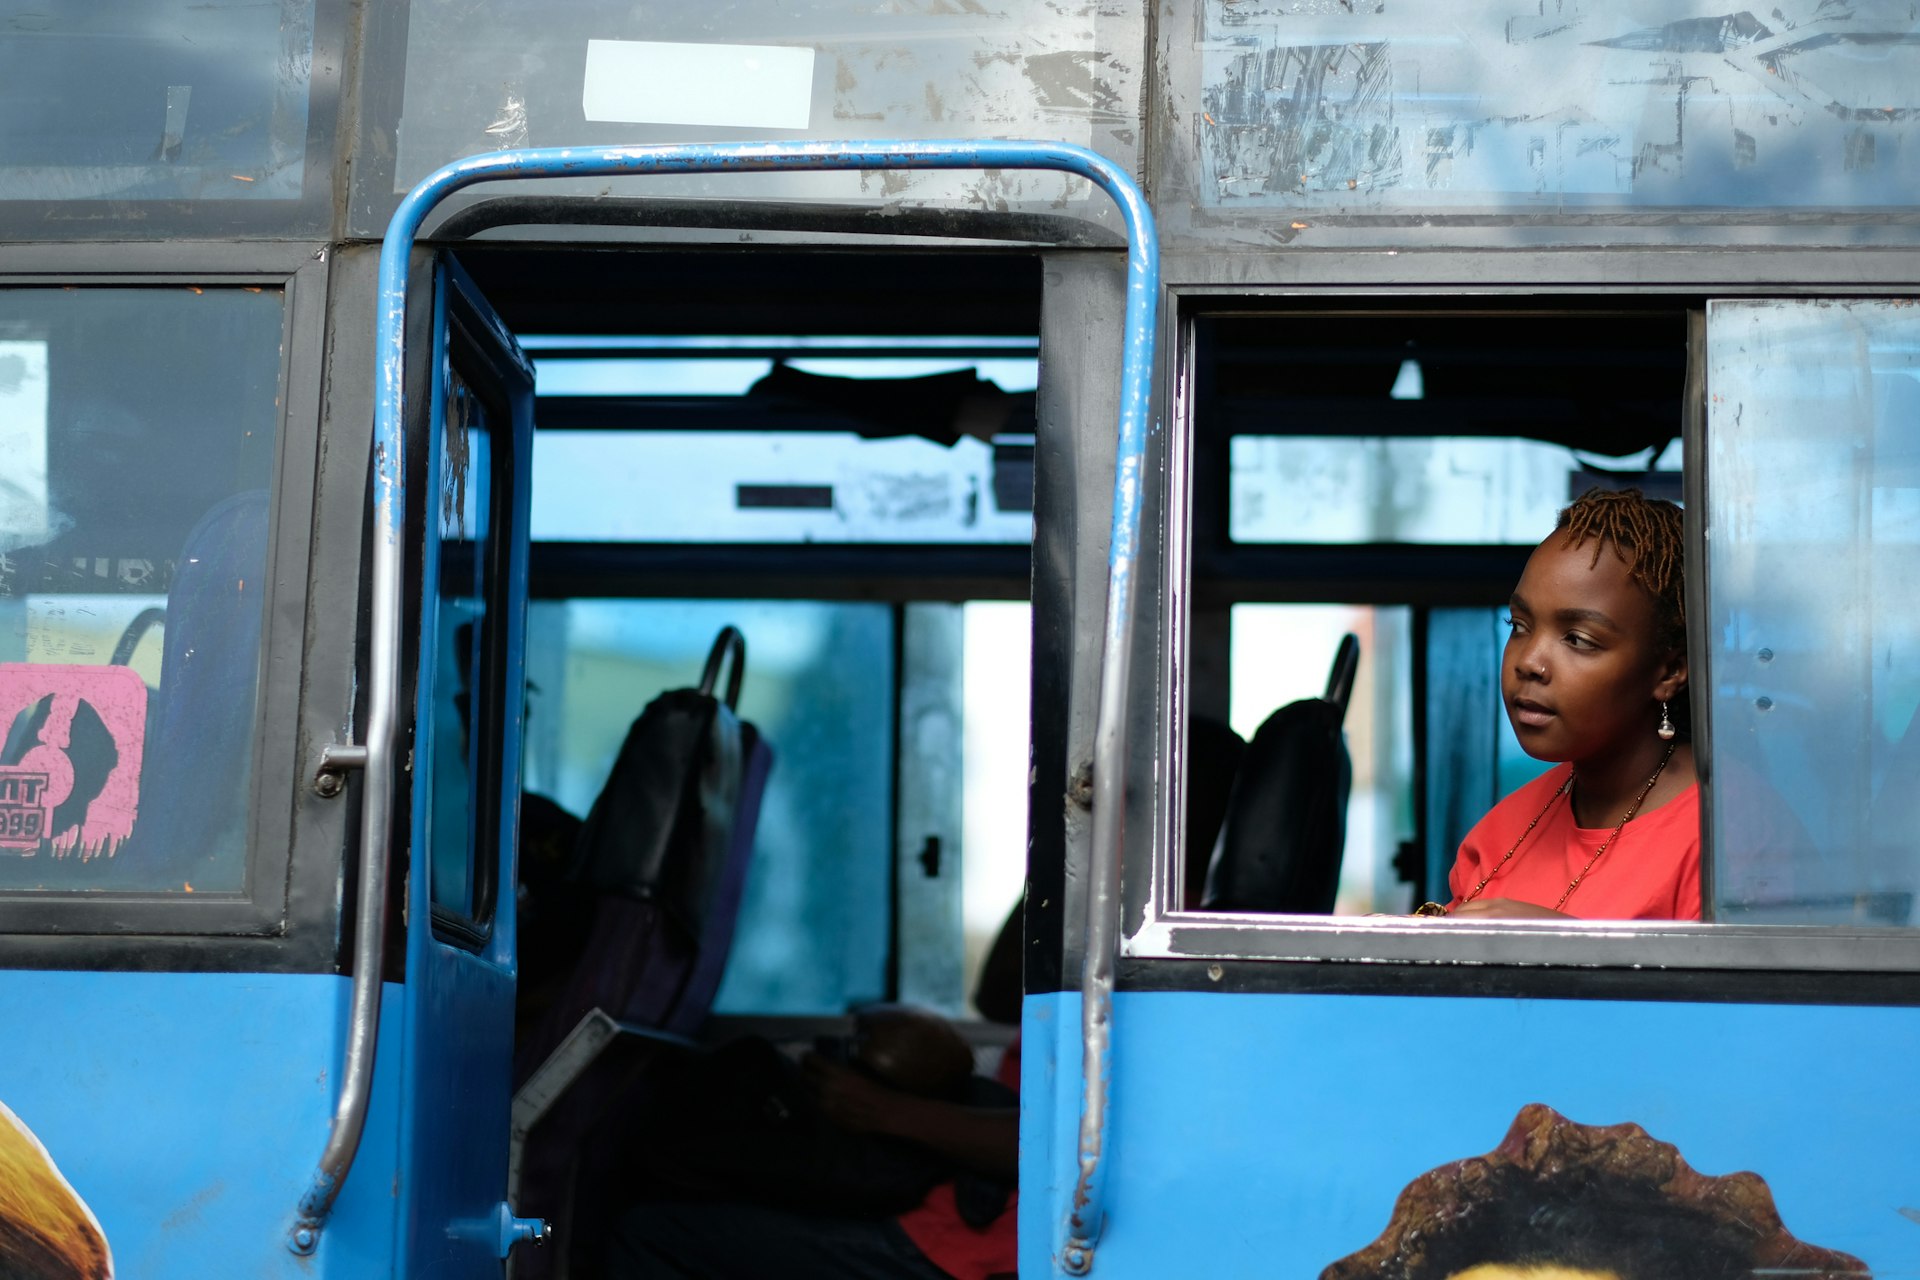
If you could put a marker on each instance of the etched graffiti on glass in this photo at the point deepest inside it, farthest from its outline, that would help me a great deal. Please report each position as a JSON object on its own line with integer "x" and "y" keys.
{"x": 1564, "y": 105}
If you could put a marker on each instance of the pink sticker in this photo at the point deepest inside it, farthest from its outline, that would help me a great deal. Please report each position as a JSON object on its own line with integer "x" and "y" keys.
{"x": 34, "y": 788}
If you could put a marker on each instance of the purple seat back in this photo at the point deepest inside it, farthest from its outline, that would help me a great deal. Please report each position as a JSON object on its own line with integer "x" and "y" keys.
{"x": 662, "y": 859}
{"x": 695, "y": 1000}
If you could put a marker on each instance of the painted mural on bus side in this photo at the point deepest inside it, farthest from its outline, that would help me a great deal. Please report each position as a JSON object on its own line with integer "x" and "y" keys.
{"x": 47, "y": 1232}
{"x": 1575, "y": 1201}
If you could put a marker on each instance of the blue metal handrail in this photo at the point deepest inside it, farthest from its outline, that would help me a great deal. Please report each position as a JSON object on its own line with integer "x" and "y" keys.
{"x": 1085, "y": 1215}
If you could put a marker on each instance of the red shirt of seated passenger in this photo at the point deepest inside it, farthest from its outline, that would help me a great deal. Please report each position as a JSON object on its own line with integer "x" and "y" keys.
{"x": 1651, "y": 872}
{"x": 936, "y": 1228}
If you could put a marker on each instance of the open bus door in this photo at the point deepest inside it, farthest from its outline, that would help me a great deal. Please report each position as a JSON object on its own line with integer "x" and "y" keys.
{"x": 468, "y": 617}
{"x": 464, "y": 819}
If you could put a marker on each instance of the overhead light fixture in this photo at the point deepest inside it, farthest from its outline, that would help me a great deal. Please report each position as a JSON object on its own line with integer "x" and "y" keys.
{"x": 1411, "y": 383}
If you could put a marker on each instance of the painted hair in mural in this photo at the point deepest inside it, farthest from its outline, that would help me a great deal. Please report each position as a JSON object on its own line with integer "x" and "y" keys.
{"x": 1574, "y": 1200}
{"x": 46, "y": 1230}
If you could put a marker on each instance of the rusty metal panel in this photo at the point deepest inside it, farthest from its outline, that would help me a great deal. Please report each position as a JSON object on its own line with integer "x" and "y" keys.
{"x": 1330, "y": 121}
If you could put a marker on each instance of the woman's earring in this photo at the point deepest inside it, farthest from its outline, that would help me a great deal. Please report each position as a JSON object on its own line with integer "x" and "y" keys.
{"x": 1666, "y": 729}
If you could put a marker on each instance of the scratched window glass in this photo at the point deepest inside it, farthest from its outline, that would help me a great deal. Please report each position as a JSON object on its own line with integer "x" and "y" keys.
{"x": 1813, "y": 538}
{"x": 1293, "y": 110}
{"x": 137, "y": 431}
{"x": 182, "y": 100}
{"x": 492, "y": 74}
{"x": 1440, "y": 490}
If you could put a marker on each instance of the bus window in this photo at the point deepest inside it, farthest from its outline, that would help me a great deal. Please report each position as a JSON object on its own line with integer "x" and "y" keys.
{"x": 1331, "y": 117}
{"x": 137, "y": 431}
{"x": 812, "y": 935}
{"x": 1813, "y": 516}
{"x": 474, "y": 478}
{"x": 1281, "y": 653}
{"x": 1424, "y": 490}
{"x": 184, "y": 102}
{"x": 995, "y": 712}
{"x": 819, "y": 440}
{"x": 1387, "y": 476}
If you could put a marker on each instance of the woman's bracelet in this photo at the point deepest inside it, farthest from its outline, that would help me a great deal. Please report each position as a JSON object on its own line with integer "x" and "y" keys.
{"x": 1430, "y": 909}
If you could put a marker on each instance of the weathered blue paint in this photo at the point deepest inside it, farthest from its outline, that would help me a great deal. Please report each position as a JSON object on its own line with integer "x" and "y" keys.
{"x": 181, "y": 1107}
{"x": 1082, "y": 1225}
{"x": 1267, "y": 1136}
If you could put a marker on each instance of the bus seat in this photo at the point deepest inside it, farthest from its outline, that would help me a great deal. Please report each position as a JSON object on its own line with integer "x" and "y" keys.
{"x": 1280, "y": 847}
{"x": 202, "y": 718}
{"x": 663, "y": 859}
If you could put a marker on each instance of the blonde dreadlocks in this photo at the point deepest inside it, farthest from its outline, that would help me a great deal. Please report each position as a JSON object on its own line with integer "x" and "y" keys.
{"x": 1645, "y": 534}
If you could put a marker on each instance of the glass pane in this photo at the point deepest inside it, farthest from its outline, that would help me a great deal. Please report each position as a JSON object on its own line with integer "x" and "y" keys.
{"x": 137, "y": 435}
{"x": 1813, "y": 536}
{"x": 501, "y": 74}
{"x": 812, "y": 935}
{"x": 995, "y": 732}
{"x": 155, "y": 100}
{"x": 1348, "y": 489}
{"x": 1292, "y": 112}
{"x": 763, "y": 486}
{"x": 729, "y": 366}
{"x": 1282, "y": 653}
{"x": 931, "y": 445}
{"x": 462, "y": 702}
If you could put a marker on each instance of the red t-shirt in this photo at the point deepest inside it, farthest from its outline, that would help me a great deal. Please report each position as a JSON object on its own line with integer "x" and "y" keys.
{"x": 936, "y": 1228}
{"x": 1651, "y": 872}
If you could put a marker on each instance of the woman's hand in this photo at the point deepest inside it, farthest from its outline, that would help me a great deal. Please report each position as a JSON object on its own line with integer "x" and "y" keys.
{"x": 1504, "y": 909}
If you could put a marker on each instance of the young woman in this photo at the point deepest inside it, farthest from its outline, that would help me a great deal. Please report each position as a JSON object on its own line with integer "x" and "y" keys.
{"x": 1595, "y": 669}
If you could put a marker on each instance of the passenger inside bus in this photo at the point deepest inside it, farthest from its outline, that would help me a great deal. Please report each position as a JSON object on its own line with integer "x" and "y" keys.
{"x": 1594, "y": 666}
{"x": 882, "y": 1159}
{"x": 878, "y": 1158}
{"x": 1389, "y": 477}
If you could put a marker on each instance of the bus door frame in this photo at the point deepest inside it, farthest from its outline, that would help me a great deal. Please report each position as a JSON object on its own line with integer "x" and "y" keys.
{"x": 377, "y": 755}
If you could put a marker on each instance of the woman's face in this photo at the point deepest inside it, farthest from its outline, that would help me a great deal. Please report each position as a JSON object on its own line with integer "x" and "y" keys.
{"x": 1583, "y": 673}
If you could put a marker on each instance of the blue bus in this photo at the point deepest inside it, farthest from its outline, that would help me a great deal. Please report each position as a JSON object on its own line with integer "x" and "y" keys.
{"x": 979, "y": 418}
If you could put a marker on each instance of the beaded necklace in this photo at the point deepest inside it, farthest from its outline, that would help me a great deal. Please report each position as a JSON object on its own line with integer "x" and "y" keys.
{"x": 1435, "y": 909}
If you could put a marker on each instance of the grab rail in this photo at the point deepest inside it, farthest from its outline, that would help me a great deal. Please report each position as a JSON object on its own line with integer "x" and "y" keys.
{"x": 1085, "y": 1215}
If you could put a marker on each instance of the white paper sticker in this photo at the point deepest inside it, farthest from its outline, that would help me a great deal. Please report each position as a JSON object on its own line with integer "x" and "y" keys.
{"x": 735, "y": 86}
